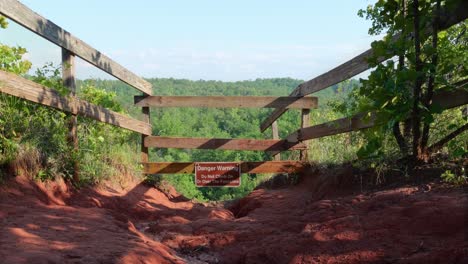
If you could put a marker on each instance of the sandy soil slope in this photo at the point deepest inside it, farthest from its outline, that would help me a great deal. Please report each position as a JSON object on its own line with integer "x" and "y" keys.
{"x": 49, "y": 223}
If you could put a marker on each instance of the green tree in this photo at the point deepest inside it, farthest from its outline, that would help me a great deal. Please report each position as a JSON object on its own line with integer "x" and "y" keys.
{"x": 400, "y": 90}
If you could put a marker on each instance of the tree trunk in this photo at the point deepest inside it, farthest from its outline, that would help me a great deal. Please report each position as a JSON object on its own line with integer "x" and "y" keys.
{"x": 416, "y": 118}
{"x": 430, "y": 84}
{"x": 407, "y": 130}
{"x": 400, "y": 139}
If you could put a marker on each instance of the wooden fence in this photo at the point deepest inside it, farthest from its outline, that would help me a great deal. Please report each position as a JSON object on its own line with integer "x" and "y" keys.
{"x": 72, "y": 46}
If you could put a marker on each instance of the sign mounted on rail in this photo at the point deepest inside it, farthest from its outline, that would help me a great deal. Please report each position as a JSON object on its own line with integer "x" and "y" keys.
{"x": 217, "y": 174}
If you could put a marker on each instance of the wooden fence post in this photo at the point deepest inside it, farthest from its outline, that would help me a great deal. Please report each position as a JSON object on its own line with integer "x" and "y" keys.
{"x": 68, "y": 76}
{"x": 274, "y": 130}
{"x": 144, "y": 150}
{"x": 305, "y": 122}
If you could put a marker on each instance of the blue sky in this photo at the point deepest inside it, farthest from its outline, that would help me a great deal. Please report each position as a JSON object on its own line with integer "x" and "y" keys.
{"x": 205, "y": 39}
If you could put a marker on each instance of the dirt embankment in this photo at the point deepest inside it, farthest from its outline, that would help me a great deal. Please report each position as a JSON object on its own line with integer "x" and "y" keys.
{"x": 309, "y": 223}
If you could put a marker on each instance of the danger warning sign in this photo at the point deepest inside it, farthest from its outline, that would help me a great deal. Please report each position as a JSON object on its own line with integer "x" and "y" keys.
{"x": 217, "y": 174}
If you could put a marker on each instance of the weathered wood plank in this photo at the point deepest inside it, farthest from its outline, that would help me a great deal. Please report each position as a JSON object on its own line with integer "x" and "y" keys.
{"x": 228, "y": 101}
{"x": 454, "y": 13}
{"x": 246, "y": 167}
{"x": 338, "y": 126}
{"x": 45, "y": 28}
{"x": 451, "y": 99}
{"x": 221, "y": 143}
{"x": 305, "y": 122}
{"x": 275, "y": 135}
{"x": 144, "y": 149}
{"x": 18, "y": 86}
{"x": 444, "y": 99}
{"x": 68, "y": 71}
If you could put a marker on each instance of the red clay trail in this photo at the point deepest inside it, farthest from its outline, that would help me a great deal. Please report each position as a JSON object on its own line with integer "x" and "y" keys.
{"x": 48, "y": 223}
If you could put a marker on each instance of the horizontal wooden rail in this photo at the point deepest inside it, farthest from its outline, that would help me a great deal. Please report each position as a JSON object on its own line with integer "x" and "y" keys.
{"x": 221, "y": 143}
{"x": 15, "y": 85}
{"x": 334, "y": 127}
{"x": 45, "y": 28}
{"x": 444, "y": 99}
{"x": 454, "y": 13}
{"x": 246, "y": 167}
{"x": 228, "y": 101}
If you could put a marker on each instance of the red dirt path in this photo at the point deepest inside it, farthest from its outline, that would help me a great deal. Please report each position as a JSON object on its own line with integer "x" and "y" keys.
{"x": 42, "y": 223}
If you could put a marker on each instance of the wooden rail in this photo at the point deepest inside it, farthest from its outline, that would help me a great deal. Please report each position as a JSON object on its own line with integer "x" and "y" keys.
{"x": 455, "y": 12}
{"x": 222, "y": 143}
{"x": 45, "y": 28}
{"x": 444, "y": 99}
{"x": 15, "y": 85}
{"x": 227, "y": 101}
{"x": 334, "y": 127}
{"x": 246, "y": 167}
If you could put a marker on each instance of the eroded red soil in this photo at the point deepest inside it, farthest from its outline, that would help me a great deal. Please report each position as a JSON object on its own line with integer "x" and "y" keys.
{"x": 42, "y": 223}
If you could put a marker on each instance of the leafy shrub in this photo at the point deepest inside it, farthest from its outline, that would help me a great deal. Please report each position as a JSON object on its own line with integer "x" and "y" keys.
{"x": 104, "y": 150}
{"x": 453, "y": 178}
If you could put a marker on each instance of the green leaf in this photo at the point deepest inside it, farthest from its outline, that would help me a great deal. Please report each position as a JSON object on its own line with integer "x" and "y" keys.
{"x": 385, "y": 104}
